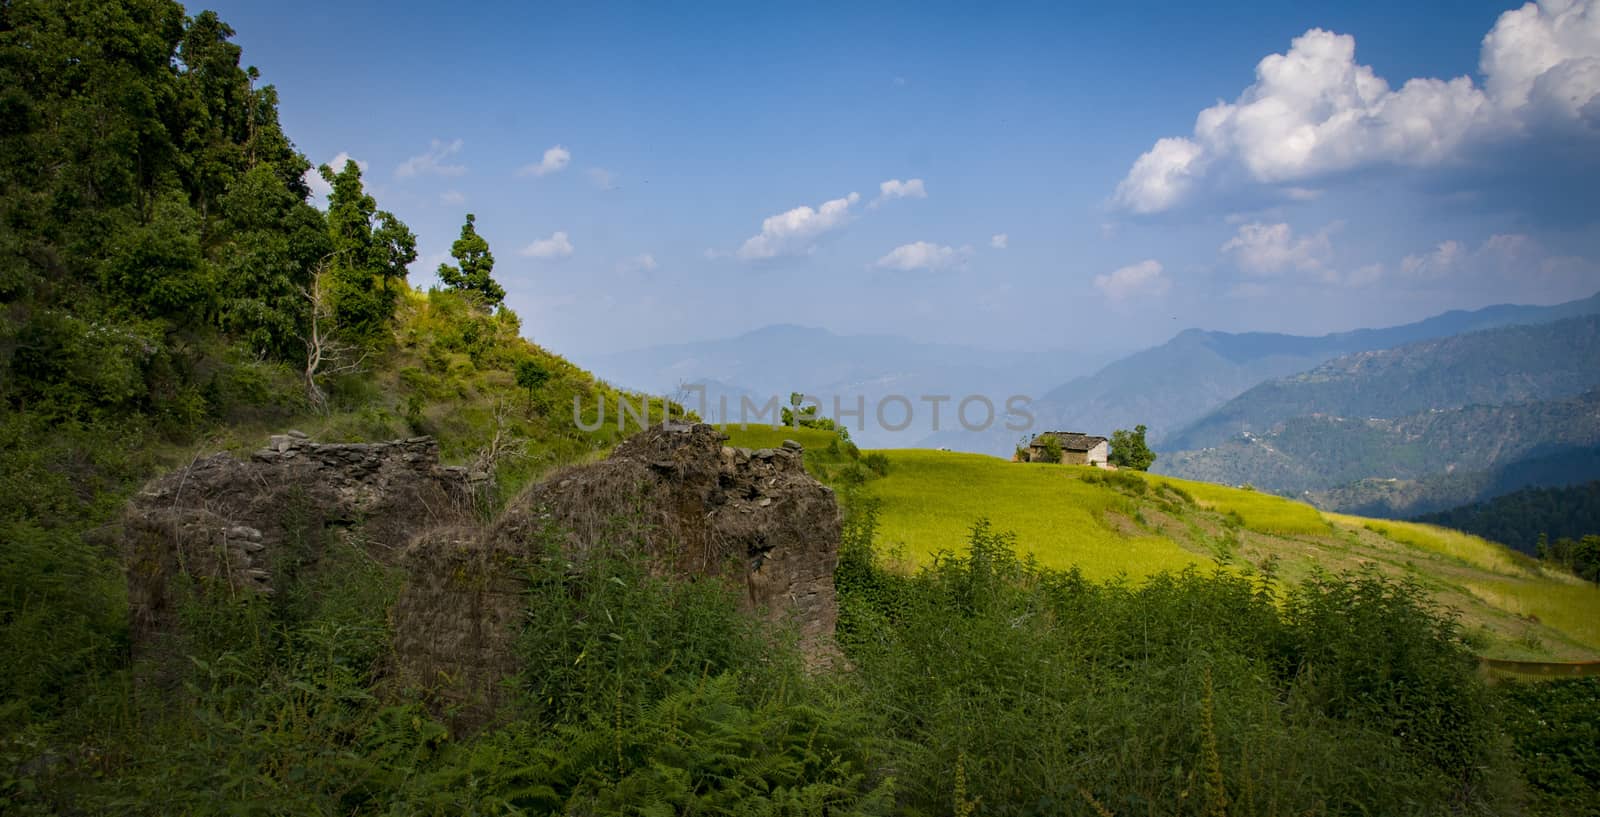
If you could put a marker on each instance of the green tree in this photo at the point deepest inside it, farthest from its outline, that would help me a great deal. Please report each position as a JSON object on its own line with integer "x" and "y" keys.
{"x": 1049, "y": 450}
{"x": 531, "y": 374}
{"x": 370, "y": 248}
{"x": 473, "y": 265}
{"x": 1128, "y": 449}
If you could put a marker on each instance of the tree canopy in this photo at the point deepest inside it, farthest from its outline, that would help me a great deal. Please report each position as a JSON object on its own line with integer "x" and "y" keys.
{"x": 1129, "y": 450}
{"x": 474, "y": 263}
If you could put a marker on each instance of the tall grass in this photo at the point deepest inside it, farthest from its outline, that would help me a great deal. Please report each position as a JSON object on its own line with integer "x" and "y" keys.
{"x": 1463, "y": 547}
{"x": 1573, "y": 609}
{"x": 1264, "y": 513}
{"x": 1034, "y": 691}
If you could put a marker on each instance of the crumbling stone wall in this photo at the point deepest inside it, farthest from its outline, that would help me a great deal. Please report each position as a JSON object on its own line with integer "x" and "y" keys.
{"x": 702, "y": 508}
{"x": 221, "y": 522}
{"x": 696, "y": 506}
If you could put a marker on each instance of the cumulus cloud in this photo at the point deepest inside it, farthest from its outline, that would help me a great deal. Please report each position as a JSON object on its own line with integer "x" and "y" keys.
{"x": 1314, "y": 112}
{"x": 434, "y": 161}
{"x": 554, "y": 160}
{"x": 556, "y": 246}
{"x": 896, "y": 189}
{"x": 793, "y": 232}
{"x": 1000, "y": 241}
{"x": 1436, "y": 263}
{"x": 1269, "y": 249}
{"x": 452, "y": 198}
{"x": 1143, "y": 278}
{"x": 923, "y": 255}
{"x": 643, "y": 262}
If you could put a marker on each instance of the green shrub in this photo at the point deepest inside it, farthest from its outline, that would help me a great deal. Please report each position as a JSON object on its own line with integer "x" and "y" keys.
{"x": 1177, "y": 696}
{"x": 1555, "y": 733}
{"x": 877, "y": 462}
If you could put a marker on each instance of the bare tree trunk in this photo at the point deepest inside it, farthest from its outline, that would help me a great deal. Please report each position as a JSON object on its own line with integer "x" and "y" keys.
{"x": 325, "y": 353}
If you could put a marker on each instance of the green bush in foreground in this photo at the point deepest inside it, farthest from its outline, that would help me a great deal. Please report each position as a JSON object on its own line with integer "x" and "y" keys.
{"x": 982, "y": 684}
{"x": 1188, "y": 694}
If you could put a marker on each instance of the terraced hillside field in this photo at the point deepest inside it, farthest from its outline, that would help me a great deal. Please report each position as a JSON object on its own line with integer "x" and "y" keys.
{"x": 1125, "y": 523}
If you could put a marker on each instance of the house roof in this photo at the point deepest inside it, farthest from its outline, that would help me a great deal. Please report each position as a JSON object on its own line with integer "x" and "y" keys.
{"x": 1070, "y": 440}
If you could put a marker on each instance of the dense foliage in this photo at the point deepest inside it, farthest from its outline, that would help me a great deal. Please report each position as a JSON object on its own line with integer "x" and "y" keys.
{"x": 1129, "y": 449}
{"x": 982, "y": 684}
{"x": 473, "y": 267}
{"x": 1520, "y": 518}
{"x": 1555, "y": 730}
{"x": 166, "y": 288}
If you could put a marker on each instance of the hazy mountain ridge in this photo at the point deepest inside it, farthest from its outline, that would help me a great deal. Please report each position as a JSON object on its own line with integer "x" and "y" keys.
{"x": 1318, "y": 453}
{"x": 1503, "y": 365}
{"x": 1167, "y": 387}
{"x": 1397, "y": 499}
{"x": 779, "y": 359}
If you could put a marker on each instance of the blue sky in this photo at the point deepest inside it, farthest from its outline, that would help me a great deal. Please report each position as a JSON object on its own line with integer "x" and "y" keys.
{"x": 639, "y": 169}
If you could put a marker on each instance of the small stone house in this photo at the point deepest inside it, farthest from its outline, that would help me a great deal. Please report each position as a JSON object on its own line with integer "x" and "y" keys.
{"x": 1076, "y": 448}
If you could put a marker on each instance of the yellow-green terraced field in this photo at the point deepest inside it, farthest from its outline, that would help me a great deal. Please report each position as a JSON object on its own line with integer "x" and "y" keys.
{"x": 1265, "y": 513}
{"x": 1470, "y": 549}
{"x": 930, "y": 500}
{"x": 1133, "y": 524}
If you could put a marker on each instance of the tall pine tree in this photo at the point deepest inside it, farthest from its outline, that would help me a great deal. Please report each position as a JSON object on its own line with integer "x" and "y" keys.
{"x": 474, "y": 263}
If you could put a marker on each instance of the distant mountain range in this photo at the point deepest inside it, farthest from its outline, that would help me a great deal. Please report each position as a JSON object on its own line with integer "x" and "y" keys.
{"x": 1504, "y": 365}
{"x": 1552, "y": 466}
{"x": 1174, "y": 385}
{"x": 776, "y": 360}
{"x": 1169, "y": 388}
{"x": 1322, "y": 452}
{"x": 1417, "y": 428}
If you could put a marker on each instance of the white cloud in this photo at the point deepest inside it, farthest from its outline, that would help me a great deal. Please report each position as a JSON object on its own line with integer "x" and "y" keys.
{"x": 433, "y": 161}
{"x": 643, "y": 262}
{"x": 1143, "y": 278}
{"x": 1314, "y": 112}
{"x": 556, "y": 246}
{"x": 1268, "y": 249}
{"x": 452, "y": 198}
{"x": 1437, "y": 263}
{"x": 896, "y": 189}
{"x": 320, "y": 187}
{"x": 555, "y": 160}
{"x": 923, "y": 255}
{"x": 1000, "y": 241}
{"x": 602, "y": 178}
{"x": 1160, "y": 177}
{"x": 792, "y": 232}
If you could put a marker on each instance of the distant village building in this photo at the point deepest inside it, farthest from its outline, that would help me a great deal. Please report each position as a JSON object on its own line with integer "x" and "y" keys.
{"x": 1076, "y": 448}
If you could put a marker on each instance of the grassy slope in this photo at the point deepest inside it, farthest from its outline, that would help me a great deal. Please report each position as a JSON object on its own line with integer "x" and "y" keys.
{"x": 450, "y": 374}
{"x": 1068, "y": 516}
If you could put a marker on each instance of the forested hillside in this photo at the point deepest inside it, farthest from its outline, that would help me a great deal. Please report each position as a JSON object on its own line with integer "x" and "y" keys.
{"x": 165, "y": 287}
{"x": 1515, "y": 364}
{"x": 1522, "y": 518}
